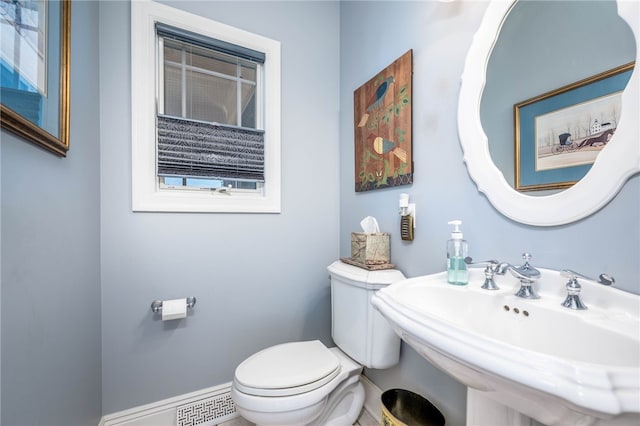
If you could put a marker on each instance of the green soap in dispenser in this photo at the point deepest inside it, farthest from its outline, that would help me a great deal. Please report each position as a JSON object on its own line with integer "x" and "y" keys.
{"x": 457, "y": 250}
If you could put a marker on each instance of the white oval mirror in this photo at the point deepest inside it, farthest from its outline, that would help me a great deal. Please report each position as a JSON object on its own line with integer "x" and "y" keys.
{"x": 612, "y": 167}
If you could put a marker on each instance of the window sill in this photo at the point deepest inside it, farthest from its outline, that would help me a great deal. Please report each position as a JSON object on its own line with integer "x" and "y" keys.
{"x": 184, "y": 201}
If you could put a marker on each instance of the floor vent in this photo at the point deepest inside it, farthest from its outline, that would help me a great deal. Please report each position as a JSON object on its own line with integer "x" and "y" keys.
{"x": 207, "y": 412}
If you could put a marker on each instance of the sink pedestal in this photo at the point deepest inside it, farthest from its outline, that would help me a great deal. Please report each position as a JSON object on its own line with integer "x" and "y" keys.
{"x": 482, "y": 410}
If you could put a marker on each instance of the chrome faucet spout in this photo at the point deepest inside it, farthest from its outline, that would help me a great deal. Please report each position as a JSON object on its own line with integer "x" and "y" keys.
{"x": 527, "y": 275}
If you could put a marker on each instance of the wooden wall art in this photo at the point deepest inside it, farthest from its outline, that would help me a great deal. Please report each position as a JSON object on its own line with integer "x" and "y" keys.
{"x": 382, "y": 118}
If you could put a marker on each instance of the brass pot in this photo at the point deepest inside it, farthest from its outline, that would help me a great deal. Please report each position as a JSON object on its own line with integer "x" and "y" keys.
{"x": 405, "y": 408}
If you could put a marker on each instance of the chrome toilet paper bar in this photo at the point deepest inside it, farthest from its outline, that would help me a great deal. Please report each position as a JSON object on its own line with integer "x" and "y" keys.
{"x": 156, "y": 305}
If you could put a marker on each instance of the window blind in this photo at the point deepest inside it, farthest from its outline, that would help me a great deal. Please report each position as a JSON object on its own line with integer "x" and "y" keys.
{"x": 190, "y": 148}
{"x": 186, "y": 36}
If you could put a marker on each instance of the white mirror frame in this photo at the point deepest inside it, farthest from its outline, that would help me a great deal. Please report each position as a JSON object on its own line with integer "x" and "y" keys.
{"x": 610, "y": 171}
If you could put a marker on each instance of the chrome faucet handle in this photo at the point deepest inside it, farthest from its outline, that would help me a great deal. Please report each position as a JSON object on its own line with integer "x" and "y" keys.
{"x": 492, "y": 267}
{"x": 527, "y": 274}
{"x": 573, "y": 301}
{"x": 604, "y": 279}
{"x": 489, "y": 283}
{"x": 497, "y": 267}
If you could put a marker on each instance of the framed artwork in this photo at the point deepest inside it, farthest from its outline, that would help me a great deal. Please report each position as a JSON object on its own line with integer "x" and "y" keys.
{"x": 559, "y": 134}
{"x": 382, "y": 121}
{"x": 34, "y": 66}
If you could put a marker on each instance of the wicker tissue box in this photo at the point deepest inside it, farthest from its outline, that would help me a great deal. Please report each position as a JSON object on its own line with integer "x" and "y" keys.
{"x": 370, "y": 249}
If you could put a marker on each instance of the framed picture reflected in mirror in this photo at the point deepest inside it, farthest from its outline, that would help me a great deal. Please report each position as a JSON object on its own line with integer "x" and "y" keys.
{"x": 559, "y": 134}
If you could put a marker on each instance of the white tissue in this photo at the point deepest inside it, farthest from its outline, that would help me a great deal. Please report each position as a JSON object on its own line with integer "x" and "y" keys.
{"x": 404, "y": 200}
{"x": 370, "y": 225}
{"x": 174, "y": 309}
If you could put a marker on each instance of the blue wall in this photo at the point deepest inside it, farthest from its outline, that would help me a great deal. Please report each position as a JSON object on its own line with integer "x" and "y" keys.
{"x": 51, "y": 354}
{"x": 79, "y": 269}
{"x": 374, "y": 34}
{"x": 260, "y": 279}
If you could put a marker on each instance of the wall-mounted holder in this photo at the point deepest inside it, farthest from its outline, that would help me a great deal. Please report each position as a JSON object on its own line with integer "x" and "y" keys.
{"x": 156, "y": 305}
{"x": 407, "y": 217}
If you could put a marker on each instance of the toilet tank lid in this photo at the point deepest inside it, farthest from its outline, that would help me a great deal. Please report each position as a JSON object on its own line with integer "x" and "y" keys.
{"x": 287, "y": 365}
{"x": 361, "y": 277}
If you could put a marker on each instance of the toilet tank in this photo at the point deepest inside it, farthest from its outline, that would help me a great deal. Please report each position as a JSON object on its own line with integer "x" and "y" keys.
{"x": 357, "y": 328}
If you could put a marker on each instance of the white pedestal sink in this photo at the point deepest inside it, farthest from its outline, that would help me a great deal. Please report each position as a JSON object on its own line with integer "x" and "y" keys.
{"x": 556, "y": 365}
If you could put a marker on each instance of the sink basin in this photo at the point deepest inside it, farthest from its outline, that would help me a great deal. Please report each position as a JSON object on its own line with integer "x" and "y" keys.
{"x": 554, "y": 364}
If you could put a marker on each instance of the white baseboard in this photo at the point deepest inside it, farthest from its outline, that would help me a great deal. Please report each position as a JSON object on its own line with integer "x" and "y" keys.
{"x": 372, "y": 401}
{"x": 164, "y": 413}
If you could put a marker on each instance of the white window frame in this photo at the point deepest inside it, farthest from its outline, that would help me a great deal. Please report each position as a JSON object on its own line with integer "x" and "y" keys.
{"x": 147, "y": 194}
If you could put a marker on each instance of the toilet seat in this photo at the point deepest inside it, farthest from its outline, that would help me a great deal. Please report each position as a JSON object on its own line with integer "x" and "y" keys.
{"x": 287, "y": 369}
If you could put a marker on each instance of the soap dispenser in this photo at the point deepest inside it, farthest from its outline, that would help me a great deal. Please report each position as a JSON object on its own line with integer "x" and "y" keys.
{"x": 457, "y": 251}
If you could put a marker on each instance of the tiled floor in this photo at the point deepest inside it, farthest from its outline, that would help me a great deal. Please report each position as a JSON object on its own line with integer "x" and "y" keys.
{"x": 239, "y": 421}
{"x": 365, "y": 419}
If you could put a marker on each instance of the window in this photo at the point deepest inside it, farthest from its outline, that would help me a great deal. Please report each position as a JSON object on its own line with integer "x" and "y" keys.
{"x": 205, "y": 114}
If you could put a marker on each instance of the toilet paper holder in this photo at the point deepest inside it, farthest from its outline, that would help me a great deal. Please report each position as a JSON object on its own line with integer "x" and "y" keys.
{"x": 156, "y": 305}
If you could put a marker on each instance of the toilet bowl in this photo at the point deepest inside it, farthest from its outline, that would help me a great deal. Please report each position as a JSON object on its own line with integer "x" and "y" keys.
{"x": 296, "y": 383}
{"x": 307, "y": 383}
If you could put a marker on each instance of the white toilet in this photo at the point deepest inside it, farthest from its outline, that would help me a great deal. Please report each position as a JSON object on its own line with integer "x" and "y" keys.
{"x": 306, "y": 383}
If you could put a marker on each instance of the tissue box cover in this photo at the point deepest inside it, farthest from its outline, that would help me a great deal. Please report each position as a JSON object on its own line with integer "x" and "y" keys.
{"x": 370, "y": 249}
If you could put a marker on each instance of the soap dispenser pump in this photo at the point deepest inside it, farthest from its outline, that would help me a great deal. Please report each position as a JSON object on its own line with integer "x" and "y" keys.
{"x": 457, "y": 251}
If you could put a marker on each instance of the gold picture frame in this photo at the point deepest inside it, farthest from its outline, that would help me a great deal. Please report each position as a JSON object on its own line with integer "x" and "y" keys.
{"x": 55, "y": 100}
{"x": 559, "y": 134}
